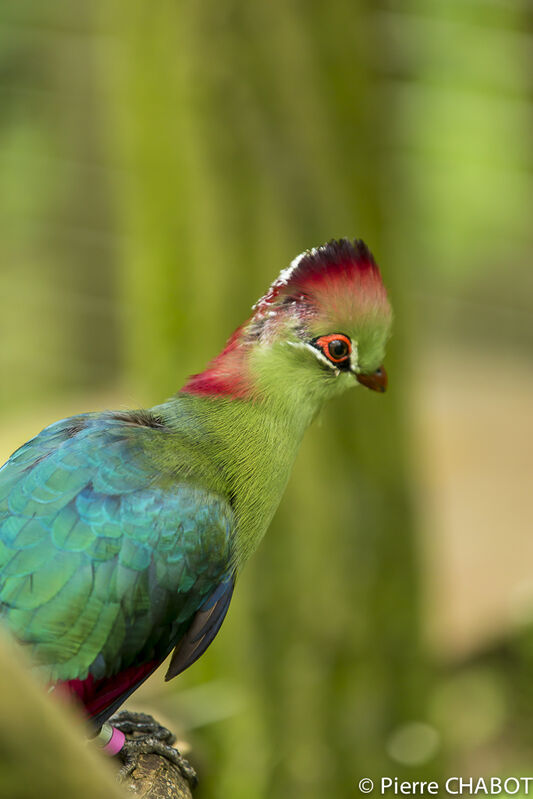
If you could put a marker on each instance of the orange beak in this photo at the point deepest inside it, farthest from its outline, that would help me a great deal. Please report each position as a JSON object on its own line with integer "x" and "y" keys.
{"x": 377, "y": 381}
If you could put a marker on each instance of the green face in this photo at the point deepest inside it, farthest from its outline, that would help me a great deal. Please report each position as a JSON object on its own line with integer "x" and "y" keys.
{"x": 352, "y": 351}
{"x": 320, "y": 358}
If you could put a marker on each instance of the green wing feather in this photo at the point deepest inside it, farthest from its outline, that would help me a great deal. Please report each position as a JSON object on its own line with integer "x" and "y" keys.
{"x": 102, "y": 563}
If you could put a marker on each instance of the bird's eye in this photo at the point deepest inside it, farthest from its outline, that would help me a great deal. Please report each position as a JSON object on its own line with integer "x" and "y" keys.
{"x": 336, "y": 347}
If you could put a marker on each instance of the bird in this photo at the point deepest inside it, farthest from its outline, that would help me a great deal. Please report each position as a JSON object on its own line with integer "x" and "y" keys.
{"x": 122, "y": 533}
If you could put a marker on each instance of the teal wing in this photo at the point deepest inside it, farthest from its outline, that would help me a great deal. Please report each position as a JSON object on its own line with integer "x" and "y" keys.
{"x": 101, "y": 565}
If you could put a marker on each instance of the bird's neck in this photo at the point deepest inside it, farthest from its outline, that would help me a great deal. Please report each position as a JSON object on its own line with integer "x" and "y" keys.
{"x": 251, "y": 441}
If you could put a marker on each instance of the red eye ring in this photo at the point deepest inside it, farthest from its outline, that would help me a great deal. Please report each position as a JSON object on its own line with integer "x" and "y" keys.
{"x": 330, "y": 347}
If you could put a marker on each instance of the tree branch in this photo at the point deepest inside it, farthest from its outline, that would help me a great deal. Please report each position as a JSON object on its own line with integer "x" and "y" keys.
{"x": 155, "y": 777}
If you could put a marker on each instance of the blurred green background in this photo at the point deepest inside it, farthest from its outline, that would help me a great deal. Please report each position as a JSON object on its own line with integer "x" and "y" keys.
{"x": 160, "y": 163}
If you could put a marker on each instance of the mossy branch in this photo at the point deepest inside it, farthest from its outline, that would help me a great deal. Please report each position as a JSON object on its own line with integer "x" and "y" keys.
{"x": 44, "y": 751}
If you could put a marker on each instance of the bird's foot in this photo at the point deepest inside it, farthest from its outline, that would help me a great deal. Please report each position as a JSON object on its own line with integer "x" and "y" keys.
{"x": 144, "y": 736}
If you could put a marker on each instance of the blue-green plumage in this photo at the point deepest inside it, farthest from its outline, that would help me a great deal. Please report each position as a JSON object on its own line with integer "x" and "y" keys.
{"x": 103, "y": 561}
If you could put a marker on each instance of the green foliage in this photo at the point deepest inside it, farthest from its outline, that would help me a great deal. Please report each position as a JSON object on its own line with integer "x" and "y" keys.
{"x": 43, "y": 748}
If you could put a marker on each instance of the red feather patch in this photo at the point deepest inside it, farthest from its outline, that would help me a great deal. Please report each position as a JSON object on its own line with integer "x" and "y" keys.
{"x": 100, "y": 698}
{"x": 342, "y": 266}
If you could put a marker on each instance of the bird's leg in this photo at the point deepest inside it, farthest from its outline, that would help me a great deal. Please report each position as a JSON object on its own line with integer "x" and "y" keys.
{"x": 129, "y": 735}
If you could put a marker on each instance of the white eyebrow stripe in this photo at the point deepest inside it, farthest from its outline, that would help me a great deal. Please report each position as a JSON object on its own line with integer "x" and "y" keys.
{"x": 316, "y": 352}
{"x": 354, "y": 357}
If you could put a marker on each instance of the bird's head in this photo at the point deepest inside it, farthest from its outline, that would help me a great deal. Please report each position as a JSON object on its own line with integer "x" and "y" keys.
{"x": 328, "y": 314}
{"x": 321, "y": 328}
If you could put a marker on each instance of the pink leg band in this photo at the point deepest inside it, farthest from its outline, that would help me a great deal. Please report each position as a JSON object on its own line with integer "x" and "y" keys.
{"x": 115, "y": 743}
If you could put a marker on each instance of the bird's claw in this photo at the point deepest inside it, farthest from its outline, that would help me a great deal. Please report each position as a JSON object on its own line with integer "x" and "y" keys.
{"x": 148, "y": 745}
{"x": 147, "y": 737}
{"x": 131, "y": 723}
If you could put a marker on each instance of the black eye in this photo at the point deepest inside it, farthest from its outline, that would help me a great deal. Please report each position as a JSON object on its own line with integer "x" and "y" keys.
{"x": 338, "y": 349}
